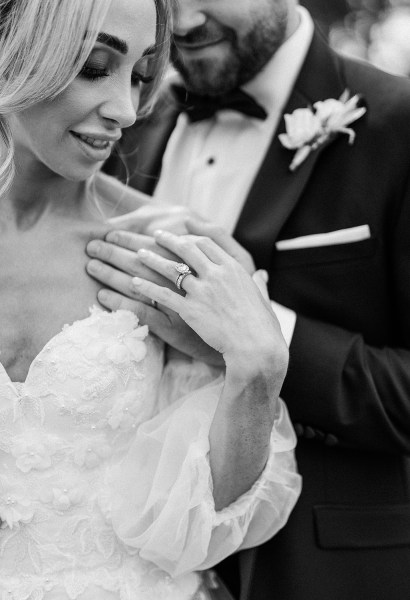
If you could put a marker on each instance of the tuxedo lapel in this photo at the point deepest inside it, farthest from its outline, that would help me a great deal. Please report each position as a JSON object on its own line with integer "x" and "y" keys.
{"x": 276, "y": 190}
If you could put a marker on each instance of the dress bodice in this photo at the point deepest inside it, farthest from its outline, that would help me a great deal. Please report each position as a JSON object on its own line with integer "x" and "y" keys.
{"x": 61, "y": 431}
{"x": 68, "y": 438}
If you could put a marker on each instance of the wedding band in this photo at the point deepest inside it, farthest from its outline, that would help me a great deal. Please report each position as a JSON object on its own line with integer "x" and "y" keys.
{"x": 183, "y": 270}
{"x": 180, "y": 279}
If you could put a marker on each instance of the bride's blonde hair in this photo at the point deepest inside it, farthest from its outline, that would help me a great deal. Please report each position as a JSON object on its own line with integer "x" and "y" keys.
{"x": 43, "y": 45}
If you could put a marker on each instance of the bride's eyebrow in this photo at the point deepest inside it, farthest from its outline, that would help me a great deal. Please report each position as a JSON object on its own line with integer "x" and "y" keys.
{"x": 113, "y": 42}
{"x": 120, "y": 45}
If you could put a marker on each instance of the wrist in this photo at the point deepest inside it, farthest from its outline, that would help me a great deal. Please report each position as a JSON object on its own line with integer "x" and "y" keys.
{"x": 267, "y": 365}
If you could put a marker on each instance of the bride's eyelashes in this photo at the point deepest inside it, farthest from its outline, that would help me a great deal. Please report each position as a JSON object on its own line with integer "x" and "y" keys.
{"x": 94, "y": 70}
{"x": 93, "y": 73}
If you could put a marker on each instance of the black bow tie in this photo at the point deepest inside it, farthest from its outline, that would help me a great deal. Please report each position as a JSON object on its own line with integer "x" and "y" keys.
{"x": 199, "y": 108}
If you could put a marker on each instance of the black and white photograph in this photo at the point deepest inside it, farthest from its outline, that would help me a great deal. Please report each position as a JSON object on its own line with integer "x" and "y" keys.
{"x": 204, "y": 299}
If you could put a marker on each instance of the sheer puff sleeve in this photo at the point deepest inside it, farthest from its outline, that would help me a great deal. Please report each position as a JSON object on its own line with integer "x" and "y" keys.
{"x": 163, "y": 504}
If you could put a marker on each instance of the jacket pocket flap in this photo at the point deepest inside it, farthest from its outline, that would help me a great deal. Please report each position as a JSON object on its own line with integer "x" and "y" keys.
{"x": 371, "y": 526}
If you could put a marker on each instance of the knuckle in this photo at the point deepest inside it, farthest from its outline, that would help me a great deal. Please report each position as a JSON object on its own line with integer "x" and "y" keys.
{"x": 179, "y": 210}
{"x": 107, "y": 251}
{"x": 134, "y": 267}
{"x": 166, "y": 293}
{"x": 203, "y": 241}
{"x": 185, "y": 243}
{"x": 117, "y": 302}
{"x": 112, "y": 237}
{"x": 107, "y": 298}
{"x": 215, "y": 230}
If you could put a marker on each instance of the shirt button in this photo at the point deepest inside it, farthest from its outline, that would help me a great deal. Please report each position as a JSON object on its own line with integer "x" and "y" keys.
{"x": 309, "y": 433}
{"x": 331, "y": 440}
{"x": 210, "y": 161}
{"x": 299, "y": 429}
{"x": 319, "y": 435}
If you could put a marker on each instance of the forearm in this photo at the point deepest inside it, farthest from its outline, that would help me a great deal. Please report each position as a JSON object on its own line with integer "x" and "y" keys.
{"x": 241, "y": 429}
{"x": 340, "y": 386}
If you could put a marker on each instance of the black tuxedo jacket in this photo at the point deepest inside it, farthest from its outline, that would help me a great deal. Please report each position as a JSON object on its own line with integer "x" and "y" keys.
{"x": 348, "y": 385}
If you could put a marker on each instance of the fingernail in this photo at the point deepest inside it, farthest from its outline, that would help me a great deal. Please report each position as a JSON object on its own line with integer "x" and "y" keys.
{"x": 111, "y": 237}
{"x": 142, "y": 252}
{"x": 102, "y": 296}
{"x": 94, "y": 266}
{"x": 161, "y": 233}
{"x": 93, "y": 247}
{"x": 136, "y": 281}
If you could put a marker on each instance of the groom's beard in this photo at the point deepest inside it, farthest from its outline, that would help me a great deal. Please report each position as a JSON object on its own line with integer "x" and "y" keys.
{"x": 244, "y": 58}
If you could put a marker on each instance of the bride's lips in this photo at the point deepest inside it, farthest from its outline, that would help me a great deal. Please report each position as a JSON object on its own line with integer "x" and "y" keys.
{"x": 95, "y": 146}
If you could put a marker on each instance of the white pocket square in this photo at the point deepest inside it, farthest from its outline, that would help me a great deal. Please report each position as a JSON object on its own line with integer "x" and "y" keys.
{"x": 341, "y": 236}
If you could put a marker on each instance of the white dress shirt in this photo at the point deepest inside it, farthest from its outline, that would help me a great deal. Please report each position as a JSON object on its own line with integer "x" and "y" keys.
{"x": 209, "y": 166}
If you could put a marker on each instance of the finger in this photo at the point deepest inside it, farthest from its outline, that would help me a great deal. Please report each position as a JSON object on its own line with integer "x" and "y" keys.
{"x": 135, "y": 241}
{"x": 161, "y": 323}
{"x": 113, "y": 278}
{"x": 146, "y": 313}
{"x": 128, "y": 239}
{"x": 115, "y": 301}
{"x": 160, "y": 294}
{"x": 116, "y": 256}
{"x": 121, "y": 259}
{"x": 214, "y": 252}
{"x": 167, "y": 268}
{"x": 184, "y": 246}
{"x": 223, "y": 239}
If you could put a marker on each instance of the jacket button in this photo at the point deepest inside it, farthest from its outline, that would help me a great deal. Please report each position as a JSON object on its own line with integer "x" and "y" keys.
{"x": 331, "y": 440}
{"x": 299, "y": 429}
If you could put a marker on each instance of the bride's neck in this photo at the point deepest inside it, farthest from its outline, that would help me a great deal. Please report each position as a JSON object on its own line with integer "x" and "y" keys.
{"x": 37, "y": 194}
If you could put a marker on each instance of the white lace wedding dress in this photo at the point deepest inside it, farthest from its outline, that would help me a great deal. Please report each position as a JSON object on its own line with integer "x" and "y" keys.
{"x": 105, "y": 485}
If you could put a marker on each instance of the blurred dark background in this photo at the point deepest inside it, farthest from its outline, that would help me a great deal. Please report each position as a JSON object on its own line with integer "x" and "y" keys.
{"x": 327, "y": 12}
{"x": 374, "y": 30}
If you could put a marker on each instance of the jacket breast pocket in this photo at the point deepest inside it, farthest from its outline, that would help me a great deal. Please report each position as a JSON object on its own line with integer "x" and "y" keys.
{"x": 341, "y": 526}
{"x": 285, "y": 259}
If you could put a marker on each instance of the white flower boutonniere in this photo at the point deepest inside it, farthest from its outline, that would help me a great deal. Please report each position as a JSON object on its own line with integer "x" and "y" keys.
{"x": 309, "y": 128}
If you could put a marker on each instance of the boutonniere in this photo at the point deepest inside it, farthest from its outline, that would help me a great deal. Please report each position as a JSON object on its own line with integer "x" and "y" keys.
{"x": 308, "y": 128}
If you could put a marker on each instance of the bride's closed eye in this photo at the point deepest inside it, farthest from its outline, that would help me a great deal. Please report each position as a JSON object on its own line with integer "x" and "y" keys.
{"x": 98, "y": 67}
{"x": 93, "y": 73}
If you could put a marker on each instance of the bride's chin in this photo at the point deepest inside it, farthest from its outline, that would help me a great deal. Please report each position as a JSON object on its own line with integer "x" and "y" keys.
{"x": 80, "y": 173}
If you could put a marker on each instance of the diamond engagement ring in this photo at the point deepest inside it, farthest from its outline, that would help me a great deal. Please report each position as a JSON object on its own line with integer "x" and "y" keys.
{"x": 183, "y": 270}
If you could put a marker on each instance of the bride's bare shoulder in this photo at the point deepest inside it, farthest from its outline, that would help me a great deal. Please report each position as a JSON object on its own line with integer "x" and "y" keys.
{"x": 117, "y": 198}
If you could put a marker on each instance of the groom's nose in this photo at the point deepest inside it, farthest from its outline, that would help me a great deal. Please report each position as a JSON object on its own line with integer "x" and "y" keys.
{"x": 189, "y": 15}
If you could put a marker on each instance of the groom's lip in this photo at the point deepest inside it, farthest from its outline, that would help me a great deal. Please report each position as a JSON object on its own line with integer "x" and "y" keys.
{"x": 181, "y": 44}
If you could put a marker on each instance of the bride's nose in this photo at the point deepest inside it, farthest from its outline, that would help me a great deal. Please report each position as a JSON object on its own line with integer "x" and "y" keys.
{"x": 121, "y": 105}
